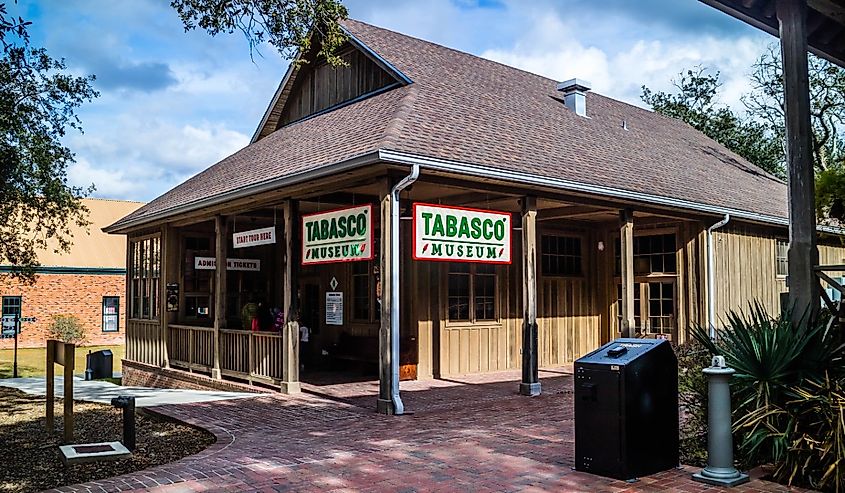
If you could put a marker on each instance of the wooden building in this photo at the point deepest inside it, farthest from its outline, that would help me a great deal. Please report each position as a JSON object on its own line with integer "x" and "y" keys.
{"x": 427, "y": 213}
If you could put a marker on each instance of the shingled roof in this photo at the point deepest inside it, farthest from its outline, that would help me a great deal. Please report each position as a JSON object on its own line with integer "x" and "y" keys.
{"x": 461, "y": 108}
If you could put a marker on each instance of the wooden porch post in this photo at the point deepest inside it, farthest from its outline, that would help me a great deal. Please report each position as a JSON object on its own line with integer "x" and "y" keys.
{"x": 170, "y": 274}
{"x": 626, "y": 255}
{"x": 530, "y": 384}
{"x": 803, "y": 253}
{"x": 221, "y": 243}
{"x": 388, "y": 381}
{"x": 290, "y": 336}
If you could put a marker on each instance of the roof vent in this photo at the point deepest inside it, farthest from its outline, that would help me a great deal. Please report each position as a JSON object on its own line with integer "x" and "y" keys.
{"x": 575, "y": 95}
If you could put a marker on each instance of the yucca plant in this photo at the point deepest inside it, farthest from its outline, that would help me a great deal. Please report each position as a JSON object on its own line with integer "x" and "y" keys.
{"x": 771, "y": 355}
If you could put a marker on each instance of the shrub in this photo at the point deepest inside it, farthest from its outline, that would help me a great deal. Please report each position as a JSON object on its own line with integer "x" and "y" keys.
{"x": 693, "y": 357}
{"x": 786, "y": 394}
{"x": 67, "y": 328}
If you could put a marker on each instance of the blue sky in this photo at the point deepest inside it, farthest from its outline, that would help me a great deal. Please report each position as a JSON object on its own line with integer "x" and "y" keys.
{"x": 173, "y": 103}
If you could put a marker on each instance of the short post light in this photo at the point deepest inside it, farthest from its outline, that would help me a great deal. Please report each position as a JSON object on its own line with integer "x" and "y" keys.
{"x": 720, "y": 470}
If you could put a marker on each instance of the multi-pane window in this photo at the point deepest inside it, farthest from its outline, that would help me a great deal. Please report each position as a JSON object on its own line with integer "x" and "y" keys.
{"x": 11, "y": 312}
{"x": 661, "y": 307}
{"x": 472, "y": 292}
{"x": 653, "y": 254}
{"x": 560, "y": 255}
{"x": 144, "y": 274}
{"x": 361, "y": 304}
{"x": 111, "y": 313}
{"x": 782, "y": 258}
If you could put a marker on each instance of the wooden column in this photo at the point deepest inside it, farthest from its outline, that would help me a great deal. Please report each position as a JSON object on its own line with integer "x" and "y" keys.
{"x": 626, "y": 255}
{"x": 51, "y": 385}
{"x": 220, "y": 246}
{"x": 170, "y": 274}
{"x": 290, "y": 336}
{"x": 530, "y": 384}
{"x": 388, "y": 345}
{"x": 67, "y": 398}
{"x": 803, "y": 253}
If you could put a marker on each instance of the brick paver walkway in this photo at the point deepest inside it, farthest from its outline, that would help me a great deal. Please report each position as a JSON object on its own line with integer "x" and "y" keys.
{"x": 471, "y": 434}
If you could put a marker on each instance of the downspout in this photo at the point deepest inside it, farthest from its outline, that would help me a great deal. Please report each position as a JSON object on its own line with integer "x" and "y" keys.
{"x": 398, "y": 407}
{"x": 711, "y": 276}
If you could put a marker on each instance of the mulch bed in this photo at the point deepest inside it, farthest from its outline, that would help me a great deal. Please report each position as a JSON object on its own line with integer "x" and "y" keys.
{"x": 30, "y": 459}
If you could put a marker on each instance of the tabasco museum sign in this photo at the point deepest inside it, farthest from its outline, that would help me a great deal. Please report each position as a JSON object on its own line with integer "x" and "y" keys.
{"x": 342, "y": 235}
{"x": 457, "y": 234}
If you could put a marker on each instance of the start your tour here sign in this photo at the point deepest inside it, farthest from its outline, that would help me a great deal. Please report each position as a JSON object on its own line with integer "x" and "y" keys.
{"x": 457, "y": 234}
{"x": 341, "y": 235}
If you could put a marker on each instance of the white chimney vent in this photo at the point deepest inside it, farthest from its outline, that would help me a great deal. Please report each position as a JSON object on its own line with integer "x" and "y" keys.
{"x": 575, "y": 95}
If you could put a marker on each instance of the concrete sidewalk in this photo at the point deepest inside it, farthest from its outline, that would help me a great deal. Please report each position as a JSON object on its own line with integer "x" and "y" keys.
{"x": 102, "y": 392}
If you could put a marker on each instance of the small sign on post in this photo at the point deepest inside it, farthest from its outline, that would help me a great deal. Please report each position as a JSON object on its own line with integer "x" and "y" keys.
{"x": 61, "y": 353}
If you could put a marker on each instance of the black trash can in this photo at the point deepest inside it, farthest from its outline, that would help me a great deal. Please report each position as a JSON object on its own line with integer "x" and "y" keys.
{"x": 99, "y": 364}
{"x": 626, "y": 409}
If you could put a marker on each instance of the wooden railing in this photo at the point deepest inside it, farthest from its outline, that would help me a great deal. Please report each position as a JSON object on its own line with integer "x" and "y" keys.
{"x": 191, "y": 347}
{"x": 836, "y": 307}
{"x": 246, "y": 355}
{"x": 254, "y": 356}
{"x": 144, "y": 342}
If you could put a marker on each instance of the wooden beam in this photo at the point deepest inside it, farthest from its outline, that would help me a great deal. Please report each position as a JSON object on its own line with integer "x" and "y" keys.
{"x": 169, "y": 258}
{"x": 626, "y": 236}
{"x": 530, "y": 384}
{"x": 290, "y": 336}
{"x": 220, "y": 247}
{"x": 67, "y": 398}
{"x": 803, "y": 253}
{"x": 51, "y": 385}
{"x": 569, "y": 211}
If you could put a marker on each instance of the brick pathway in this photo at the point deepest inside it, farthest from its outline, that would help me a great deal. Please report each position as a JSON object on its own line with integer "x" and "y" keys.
{"x": 471, "y": 434}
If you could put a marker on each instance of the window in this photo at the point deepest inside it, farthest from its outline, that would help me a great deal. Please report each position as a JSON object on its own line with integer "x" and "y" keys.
{"x": 11, "y": 312}
{"x": 144, "y": 272}
{"x": 111, "y": 313}
{"x": 361, "y": 304}
{"x": 653, "y": 254}
{"x": 638, "y": 311}
{"x": 472, "y": 292}
{"x": 561, "y": 255}
{"x": 661, "y": 307}
{"x": 782, "y": 258}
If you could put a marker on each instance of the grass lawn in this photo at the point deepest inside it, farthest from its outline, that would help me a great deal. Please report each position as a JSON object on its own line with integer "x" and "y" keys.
{"x": 32, "y": 362}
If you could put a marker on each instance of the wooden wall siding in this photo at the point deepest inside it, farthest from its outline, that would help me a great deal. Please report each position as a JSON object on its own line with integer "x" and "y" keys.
{"x": 568, "y": 325}
{"x": 144, "y": 341}
{"x": 324, "y": 86}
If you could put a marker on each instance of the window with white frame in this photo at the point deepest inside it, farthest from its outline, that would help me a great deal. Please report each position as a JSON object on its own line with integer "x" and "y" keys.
{"x": 782, "y": 258}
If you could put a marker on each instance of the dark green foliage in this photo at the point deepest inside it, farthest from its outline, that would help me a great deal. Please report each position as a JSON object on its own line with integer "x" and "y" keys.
{"x": 696, "y": 103}
{"x": 784, "y": 392}
{"x": 286, "y": 24}
{"x": 693, "y": 357}
{"x": 37, "y": 103}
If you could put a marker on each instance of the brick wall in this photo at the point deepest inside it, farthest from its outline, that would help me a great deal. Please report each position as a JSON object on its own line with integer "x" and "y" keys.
{"x": 137, "y": 374}
{"x": 57, "y": 294}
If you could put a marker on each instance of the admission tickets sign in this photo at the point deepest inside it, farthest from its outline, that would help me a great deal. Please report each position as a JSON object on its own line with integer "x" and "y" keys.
{"x": 342, "y": 235}
{"x": 457, "y": 234}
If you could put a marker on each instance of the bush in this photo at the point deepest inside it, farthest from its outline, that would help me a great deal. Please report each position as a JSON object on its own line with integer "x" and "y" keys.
{"x": 692, "y": 395}
{"x": 67, "y": 328}
{"x": 786, "y": 395}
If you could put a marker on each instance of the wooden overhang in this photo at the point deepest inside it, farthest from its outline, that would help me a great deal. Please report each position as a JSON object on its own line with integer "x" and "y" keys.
{"x": 825, "y": 22}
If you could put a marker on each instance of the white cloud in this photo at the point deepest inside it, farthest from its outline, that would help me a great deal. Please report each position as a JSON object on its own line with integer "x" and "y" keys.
{"x": 554, "y": 48}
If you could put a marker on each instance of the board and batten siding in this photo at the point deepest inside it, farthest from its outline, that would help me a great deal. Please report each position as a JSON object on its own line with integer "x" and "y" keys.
{"x": 746, "y": 268}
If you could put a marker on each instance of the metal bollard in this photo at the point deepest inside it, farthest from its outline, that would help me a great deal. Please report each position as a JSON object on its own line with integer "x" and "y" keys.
{"x": 720, "y": 470}
{"x": 127, "y": 403}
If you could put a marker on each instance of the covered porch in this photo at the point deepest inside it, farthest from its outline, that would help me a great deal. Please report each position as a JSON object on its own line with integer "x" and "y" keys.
{"x": 581, "y": 271}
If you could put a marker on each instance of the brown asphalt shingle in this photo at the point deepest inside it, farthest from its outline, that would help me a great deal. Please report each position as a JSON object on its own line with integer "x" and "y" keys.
{"x": 464, "y": 108}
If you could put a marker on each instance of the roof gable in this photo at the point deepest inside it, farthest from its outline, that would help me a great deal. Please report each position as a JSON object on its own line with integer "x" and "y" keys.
{"x": 312, "y": 86}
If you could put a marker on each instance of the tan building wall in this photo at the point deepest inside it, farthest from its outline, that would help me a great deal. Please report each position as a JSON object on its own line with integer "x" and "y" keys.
{"x": 61, "y": 294}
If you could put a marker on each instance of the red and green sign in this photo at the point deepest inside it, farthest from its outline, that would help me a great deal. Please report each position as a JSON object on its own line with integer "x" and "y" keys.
{"x": 342, "y": 235}
{"x": 457, "y": 234}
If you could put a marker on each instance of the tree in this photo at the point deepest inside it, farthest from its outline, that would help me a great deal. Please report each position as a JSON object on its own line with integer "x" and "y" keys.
{"x": 288, "y": 25}
{"x": 696, "y": 103}
{"x": 827, "y": 103}
{"x": 37, "y": 103}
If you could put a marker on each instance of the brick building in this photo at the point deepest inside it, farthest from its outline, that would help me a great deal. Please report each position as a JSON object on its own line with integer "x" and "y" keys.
{"x": 88, "y": 282}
